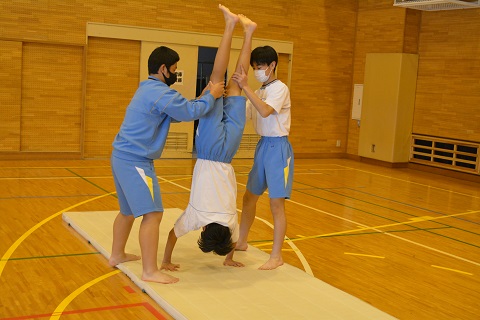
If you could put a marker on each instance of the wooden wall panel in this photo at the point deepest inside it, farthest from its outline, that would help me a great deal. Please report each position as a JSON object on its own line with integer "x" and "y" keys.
{"x": 448, "y": 87}
{"x": 10, "y": 94}
{"x": 322, "y": 67}
{"x": 330, "y": 38}
{"x": 112, "y": 79}
{"x": 322, "y": 34}
{"x": 413, "y": 20}
{"x": 51, "y": 97}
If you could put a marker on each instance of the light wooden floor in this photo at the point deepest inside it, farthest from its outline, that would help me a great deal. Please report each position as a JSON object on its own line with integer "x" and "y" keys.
{"x": 405, "y": 241}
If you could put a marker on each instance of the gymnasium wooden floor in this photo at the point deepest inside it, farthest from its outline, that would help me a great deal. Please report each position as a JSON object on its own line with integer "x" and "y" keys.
{"x": 405, "y": 241}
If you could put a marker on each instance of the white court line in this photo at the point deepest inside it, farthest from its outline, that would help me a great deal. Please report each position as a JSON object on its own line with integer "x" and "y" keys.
{"x": 412, "y": 182}
{"x": 386, "y": 233}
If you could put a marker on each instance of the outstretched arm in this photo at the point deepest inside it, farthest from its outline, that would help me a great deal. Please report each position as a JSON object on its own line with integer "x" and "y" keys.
{"x": 167, "y": 256}
{"x": 229, "y": 259}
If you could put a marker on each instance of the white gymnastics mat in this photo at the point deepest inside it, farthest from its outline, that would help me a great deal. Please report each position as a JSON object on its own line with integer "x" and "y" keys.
{"x": 209, "y": 290}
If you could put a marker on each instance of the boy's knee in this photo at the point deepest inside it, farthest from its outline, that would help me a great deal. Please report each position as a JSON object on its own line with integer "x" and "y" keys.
{"x": 153, "y": 216}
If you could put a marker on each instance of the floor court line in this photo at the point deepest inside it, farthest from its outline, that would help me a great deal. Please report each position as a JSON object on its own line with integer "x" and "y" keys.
{"x": 5, "y": 258}
{"x": 413, "y": 182}
{"x": 386, "y": 233}
{"x": 399, "y": 211}
{"x": 146, "y": 305}
{"x": 57, "y": 313}
{"x": 412, "y": 219}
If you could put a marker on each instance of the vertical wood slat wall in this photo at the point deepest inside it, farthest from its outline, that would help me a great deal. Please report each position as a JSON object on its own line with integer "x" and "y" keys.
{"x": 51, "y": 98}
{"x": 112, "y": 79}
{"x": 330, "y": 42}
{"x": 448, "y": 92}
{"x": 10, "y": 94}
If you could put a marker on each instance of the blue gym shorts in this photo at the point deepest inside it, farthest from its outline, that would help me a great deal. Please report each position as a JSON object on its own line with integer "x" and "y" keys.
{"x": 272, "y": 168}
{"x": 137, "y": 186}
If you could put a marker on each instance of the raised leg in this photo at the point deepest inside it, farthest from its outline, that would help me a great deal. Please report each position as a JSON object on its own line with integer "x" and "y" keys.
{"x": 243, "y": 61}
{"x": 223, "y": 53}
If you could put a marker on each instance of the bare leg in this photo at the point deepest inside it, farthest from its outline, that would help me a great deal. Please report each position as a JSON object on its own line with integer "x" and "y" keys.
{"x": 244, "y": 58}
{"x": 277, "y": 206}
{"x": 223, "y": 53}
{"x": 121, "y": 230}
{"x": 149, "y": 233}
{"x": 248, "y": 215}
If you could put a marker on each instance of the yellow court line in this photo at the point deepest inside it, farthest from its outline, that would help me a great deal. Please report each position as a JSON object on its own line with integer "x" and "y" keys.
{"x": 423, "y": 219}
{"x": 61, "y": 307}
{"x": 364, "y": 255}
{"x": 17, "y": 243}
{"x": 458, "y": 271}
{"x": 268, "y": 249}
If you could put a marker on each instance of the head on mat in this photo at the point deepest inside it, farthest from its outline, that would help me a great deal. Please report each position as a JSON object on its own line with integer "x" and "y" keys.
{"x": 216, "y": 238}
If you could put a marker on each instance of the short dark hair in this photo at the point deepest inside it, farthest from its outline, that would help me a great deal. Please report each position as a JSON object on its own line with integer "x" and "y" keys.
{"x": 162, "y": 55}
{"x": 264, "y": 55}
{"x": 216, "y": 238}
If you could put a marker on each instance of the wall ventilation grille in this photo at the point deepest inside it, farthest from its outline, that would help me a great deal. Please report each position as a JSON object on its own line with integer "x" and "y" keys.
{"x": 450, "y": 154}
{"x": 177, "y": 141}
{"x": 437, "y": 5}
{"x": 249, "y": 142}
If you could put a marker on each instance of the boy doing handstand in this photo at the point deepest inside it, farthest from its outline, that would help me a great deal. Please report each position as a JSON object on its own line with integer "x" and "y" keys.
{"x": 212, "y": 204}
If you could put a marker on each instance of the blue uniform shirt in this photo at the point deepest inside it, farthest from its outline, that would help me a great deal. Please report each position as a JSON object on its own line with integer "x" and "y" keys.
{"x": 147, "y": 120}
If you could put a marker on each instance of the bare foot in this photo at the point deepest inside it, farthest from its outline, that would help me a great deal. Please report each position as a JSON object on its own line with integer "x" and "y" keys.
{"x": 241, "y": 247}
{"x": 230, "y": 18}
{"x": 159, "y": 277}
{"x": 272, "y": 263}
{"x": 114, "y": 260}
{"x": 248, "y": 25}
{"x": 232, "y": 263}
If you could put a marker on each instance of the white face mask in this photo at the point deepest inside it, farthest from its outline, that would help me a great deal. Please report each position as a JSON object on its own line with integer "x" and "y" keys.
{"x": 261, "y": 76}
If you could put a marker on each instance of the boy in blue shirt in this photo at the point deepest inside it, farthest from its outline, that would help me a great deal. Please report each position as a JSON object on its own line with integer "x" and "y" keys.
{"x": 141, "y": 139}
{"x": 212, "y": 204}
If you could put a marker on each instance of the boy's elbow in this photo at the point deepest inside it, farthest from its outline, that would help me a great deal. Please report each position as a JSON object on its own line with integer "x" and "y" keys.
{"x": 267, "y": 112}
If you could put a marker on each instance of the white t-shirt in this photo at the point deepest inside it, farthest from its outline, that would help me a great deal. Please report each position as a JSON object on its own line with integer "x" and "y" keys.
{"x": 213, "y": 198}
{"x": 276, "y": 95}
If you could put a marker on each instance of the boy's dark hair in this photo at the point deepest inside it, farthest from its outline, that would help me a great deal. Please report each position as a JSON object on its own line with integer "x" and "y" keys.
{"x": 162, "y": 55}
{"x": 264, "y": 55}
{"x": 216, "y": 238}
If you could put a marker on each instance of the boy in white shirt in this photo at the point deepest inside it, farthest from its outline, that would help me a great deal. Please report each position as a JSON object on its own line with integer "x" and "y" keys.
{"x": 269, "y": 109}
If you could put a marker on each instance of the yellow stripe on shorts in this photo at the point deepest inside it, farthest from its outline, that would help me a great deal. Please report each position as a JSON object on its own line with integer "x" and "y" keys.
{"x": 286, "y": 170}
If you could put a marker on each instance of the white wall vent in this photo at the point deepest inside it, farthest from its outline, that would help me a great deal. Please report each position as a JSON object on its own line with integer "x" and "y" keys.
{"x": 436, "y": 5}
